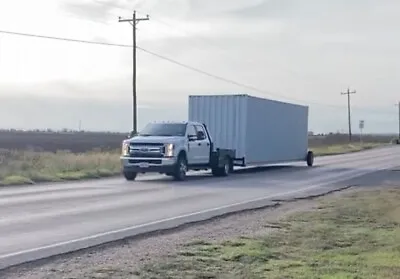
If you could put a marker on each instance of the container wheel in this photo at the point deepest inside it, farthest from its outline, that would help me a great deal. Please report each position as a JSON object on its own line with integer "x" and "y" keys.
{"x": 180, "y": 168}
{"x": 310, "y": 158}
{"x": 129, "y": 175}
{"x": 226, "y": 169}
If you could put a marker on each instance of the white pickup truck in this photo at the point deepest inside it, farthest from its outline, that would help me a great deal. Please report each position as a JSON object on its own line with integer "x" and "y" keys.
{"x": 173, "y": 148}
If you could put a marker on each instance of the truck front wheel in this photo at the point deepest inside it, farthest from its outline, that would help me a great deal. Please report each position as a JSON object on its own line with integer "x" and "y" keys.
{"x": 129, "y": 175}
{"x": 180, "y": 168}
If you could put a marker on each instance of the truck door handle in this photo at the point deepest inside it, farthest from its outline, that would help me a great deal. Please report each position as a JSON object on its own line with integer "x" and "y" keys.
{"x": 199, "y": 144}
{"x": 208, "y": 144}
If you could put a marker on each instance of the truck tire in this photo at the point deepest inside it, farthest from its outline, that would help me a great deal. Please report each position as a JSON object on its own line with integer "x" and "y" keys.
{"x": 129, "y": 175}
{"x": 180, "y": 168}
{"x": 310, "y": 158}
{"x": 225, "y": 170}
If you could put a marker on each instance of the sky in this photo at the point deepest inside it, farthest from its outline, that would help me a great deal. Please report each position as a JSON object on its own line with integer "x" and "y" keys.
{"x": 300, "y": 51}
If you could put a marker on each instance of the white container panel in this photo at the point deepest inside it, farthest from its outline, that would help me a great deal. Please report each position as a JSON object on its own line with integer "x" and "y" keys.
{"x": 276, "y": 131}
{"x": 260, "y": 130}
{"x": 225, "y": 117}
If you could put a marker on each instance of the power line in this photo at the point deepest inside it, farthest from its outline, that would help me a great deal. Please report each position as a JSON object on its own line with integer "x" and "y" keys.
{"x": 161, "y": 57}
{"x": 223, "y": 52}
{"x": 209, "y": 74}
{"x": 63, "y": 39}
{"x": 232, "y": 81}
{"x": 174, "y": 62}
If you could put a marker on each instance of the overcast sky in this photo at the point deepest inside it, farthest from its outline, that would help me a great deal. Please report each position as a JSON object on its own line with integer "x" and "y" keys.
{"x": 304, "y": 51}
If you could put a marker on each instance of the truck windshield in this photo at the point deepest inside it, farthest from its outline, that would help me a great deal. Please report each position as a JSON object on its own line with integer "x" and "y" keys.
{"x": 164, "y": 130}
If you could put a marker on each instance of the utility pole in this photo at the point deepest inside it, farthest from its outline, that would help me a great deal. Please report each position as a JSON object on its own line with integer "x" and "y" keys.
{"x": 348, "y": 108}
{"x": 134, "y": 21}
{"x": 399, "y": 120}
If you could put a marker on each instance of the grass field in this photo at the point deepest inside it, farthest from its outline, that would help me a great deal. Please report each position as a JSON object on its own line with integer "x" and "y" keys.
{"x": 336, "y": 149}
{"x": 354, "y": 236}
{"x": 77, "y": 142}
{"x": 50, "y": 157}
{"x": 29, "y": 167}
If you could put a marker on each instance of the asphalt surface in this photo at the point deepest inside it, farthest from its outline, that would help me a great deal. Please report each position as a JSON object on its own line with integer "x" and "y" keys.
{"x": 40, "y": 221}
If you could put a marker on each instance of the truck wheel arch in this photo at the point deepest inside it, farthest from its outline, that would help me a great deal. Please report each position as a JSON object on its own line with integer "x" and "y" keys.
{"x": 182, "y": 153}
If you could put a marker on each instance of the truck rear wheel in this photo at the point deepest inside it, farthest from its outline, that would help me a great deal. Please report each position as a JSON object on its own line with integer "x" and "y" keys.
{"x": 224, "y": 170}
{"x": 180, "y": 168}
{"x": 129, "y": 175}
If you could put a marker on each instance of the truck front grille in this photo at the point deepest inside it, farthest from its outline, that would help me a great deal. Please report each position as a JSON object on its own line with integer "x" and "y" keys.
{"x": 139, "y": 154}
{"x": 138, "y": 161}
{"x": 147, "y": 144}
{"x": 148, "y": 150}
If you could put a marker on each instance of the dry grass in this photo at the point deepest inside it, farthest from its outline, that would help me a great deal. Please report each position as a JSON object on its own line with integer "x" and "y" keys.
{"x": 355, "y": 236}
{"x": 336, "y": 149}
{"x": 78, "y": 142}
{"x": 28, "y": 167}
{"x": 19, "y": 167}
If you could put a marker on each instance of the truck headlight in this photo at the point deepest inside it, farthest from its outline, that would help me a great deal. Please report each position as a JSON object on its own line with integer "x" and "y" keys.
{"x": 125, "y": 148}
{"x": 169, "y": 150}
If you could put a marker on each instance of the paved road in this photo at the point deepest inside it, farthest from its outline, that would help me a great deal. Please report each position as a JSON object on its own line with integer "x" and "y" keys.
{"x": 43, "y": 220}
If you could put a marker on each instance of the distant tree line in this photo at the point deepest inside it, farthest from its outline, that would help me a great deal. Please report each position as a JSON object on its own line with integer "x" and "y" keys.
{"x": 84, "y": 141}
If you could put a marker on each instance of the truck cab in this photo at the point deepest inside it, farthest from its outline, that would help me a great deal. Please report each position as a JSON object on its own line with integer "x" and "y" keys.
{"x": 173, "y": 148}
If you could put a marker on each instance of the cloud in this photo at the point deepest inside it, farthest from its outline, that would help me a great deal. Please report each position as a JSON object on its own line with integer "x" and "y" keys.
{"x": 95, "y": 10}
{"x": 307, "y": 50}
{"x": 97, "y": 115}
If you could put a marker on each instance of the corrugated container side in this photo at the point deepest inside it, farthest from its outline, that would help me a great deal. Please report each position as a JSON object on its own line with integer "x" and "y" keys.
{"x": 276, "y": 131}
{"x": 226, "y": 118}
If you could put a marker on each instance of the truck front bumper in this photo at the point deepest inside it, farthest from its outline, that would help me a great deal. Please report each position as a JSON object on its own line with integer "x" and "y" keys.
{"x": 143, "y": 165}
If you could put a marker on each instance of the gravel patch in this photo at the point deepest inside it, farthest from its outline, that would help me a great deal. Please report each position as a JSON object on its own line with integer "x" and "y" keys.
{"x": 119, "y": 260}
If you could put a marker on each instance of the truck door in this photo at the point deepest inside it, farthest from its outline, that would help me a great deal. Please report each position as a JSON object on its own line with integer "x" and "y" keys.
{"x": 193, "y": 147}
{"x": 203, "y": 144}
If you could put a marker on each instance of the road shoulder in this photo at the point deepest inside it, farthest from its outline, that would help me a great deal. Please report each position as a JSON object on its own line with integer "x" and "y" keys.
{"x": 129, "y": 258}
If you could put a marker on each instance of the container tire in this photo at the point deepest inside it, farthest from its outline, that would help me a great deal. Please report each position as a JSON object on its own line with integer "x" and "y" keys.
{"x": 180, "y": 168}
{"x": 310, "y": 159}
{"x": 226, "y": 169}
{"x": 130, "y": 175}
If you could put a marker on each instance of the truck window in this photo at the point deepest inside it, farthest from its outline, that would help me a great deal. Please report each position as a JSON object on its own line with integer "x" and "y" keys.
{"x": 191, "y": 131}
{"x": 164, "y": 129}
{"x": 201, "y": 129}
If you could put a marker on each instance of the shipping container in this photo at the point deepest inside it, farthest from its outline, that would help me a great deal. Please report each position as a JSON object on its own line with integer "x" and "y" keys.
{"x": 261, "y": 131}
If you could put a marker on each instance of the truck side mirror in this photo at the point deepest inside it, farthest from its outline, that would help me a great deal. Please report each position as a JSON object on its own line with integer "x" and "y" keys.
{"x": 200, "y": 135}
{"x": 192, "y": 137}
